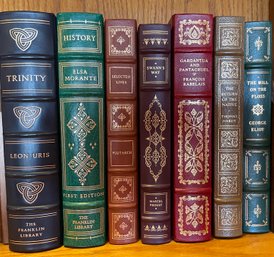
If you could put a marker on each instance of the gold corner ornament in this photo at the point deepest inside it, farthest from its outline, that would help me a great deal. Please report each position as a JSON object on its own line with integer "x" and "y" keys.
{"x": 81, "y": 125}
{"x": 23, "y": 37}
{"x": 155, "y": 124}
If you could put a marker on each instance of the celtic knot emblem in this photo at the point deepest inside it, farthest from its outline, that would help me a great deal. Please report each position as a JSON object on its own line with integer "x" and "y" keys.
{"x": 27, "y": 115}
{"x": 23, "y": 37}
{"x": 30, "y": 191}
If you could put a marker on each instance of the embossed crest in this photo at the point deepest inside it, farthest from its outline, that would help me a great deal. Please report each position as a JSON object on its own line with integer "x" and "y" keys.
{"x": 23, "y": 37}
{"x": 27, "y": 115}
{"x": 30, "y": 191}
{"x": 155, "y": 123}
{"x": 194, "y": 32}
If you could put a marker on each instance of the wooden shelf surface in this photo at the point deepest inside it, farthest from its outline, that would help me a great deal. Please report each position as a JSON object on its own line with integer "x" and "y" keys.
{"x": 259, "y": 245}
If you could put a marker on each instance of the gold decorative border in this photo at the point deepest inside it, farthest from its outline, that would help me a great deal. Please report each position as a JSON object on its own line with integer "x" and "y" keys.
{"x": 249, "y": 223}
{"x": 145, "y": 59}
{"x": 181, "y": 219}
{"x": 165, "y": 194}
{"x": 96, "y": 28}
{"x": 89, "y": 234}
{"x": 132, "y": 80}
{"x": 132, "y": 149}
{"x": 65, "y": 64}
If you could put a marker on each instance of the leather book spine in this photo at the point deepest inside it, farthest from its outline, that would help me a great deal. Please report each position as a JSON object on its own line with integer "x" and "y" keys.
{"x": 228, "y": 126}
{"x": 31, "y": 142}
{"x": 257, "y": 126}
{"x": 3, "y": 193}
{"x": 122, "y": 132}
{"x": 155, "y": 132}
{"x": 82, "y": 121}
{"x": 192, "y": 108}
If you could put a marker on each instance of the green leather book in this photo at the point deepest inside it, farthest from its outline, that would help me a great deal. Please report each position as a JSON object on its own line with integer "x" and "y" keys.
{"x": 82, "y": 119}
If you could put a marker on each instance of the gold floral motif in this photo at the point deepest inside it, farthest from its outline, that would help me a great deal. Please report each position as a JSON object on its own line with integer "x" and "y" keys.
{"x": 155, "y": 125}
{"x": 194, "y": 32}
{"x": 193, "y": 140}
{"x": 194, "y": 215}
{"x": 193, "y": 212}
{"x": 124, "y": 114}
{"x": 126, "y": 224}
{"x": 123, "y": 36}
{"x": 81, "y": 125}
{"x": 122, "y": 189}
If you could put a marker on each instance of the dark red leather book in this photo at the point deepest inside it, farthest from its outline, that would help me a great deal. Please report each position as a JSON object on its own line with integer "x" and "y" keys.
{"x": 122, "y": 130}
{"x": 155, "y": 132}
{"x": 192, "y": 110}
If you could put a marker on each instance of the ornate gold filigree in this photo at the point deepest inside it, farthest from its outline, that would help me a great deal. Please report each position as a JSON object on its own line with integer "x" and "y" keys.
{"x": 123, "y": 225}
{"x": 81, "y": 125}
{"x": 122, "y": 116}
{"x": 193, "y": 141}
{"x": 123, "y": 36}
{"x": 122, "y": 189}
{"x": 155, "y": 124}
{"x": 193, "y": 215}
{"x": 229, "y": 216}
{"x": 194, "y": 32}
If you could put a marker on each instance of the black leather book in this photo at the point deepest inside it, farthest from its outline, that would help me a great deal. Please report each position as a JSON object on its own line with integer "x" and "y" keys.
{"x": 30, "y": 127}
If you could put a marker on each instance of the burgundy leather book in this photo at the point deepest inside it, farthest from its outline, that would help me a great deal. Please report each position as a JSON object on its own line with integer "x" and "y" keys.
{"x": 192, "y": 110}
{"x": 121, "y": 36}
{"x": 155, "y": 132}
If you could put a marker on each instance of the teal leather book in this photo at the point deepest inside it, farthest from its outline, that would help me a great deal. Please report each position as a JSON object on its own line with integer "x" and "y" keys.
{"x": 257, "y": 126}
{"x": 82, "y": 122}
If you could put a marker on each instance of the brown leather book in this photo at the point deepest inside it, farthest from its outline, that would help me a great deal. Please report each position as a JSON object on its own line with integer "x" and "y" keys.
{"x": 228, "y": 126}
{"x": 155, "y": 132}
{"x": 122, "y": 126}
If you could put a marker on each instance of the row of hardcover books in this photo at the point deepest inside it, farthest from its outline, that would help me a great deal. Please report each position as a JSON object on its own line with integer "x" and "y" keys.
{"x": 137, "y": 114}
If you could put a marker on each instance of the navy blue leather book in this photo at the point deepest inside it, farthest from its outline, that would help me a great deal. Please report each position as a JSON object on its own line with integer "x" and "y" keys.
{"x": 30, "y": 127}
{"x": 257, "y": 126}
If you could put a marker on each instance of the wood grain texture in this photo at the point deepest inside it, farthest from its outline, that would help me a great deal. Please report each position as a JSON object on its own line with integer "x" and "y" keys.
{"x": 247, "y": 246}
{"x": 146, "y": 11}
